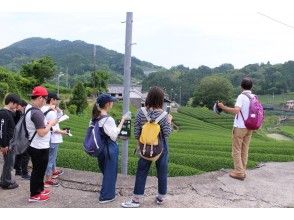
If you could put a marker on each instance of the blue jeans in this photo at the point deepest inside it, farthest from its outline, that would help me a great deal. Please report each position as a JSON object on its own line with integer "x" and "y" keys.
{"x": 108, "y": 164}
{"x": 161, "y": 168}
{"x": 52, "y": 159}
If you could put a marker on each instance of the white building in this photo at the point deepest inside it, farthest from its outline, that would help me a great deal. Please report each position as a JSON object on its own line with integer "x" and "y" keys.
{"x": 137, "y": 98}
{"x": 290, "y": 104}
{"x": 136, "y": 95}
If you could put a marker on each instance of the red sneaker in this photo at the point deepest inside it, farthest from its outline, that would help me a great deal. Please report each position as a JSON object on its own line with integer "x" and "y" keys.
{"x": 49, "y": 183}
{"x": 57, "y": 172}
{"x": 54, "y": 176}
{"x": 38, "y": 198}
{"x": 45, "y": 192}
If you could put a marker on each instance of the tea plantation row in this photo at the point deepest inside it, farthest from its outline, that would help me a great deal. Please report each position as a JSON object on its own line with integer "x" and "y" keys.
{"x": 202, "y": 143}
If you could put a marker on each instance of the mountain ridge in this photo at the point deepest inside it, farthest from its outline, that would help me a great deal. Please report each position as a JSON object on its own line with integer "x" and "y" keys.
{"x": 75, "y": 55}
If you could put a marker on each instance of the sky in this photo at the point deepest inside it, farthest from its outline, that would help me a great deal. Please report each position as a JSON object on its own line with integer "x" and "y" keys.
{"x": 165, "y": 33}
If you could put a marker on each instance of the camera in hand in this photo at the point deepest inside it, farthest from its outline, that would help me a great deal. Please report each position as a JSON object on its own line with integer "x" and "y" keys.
{"x": 168, "y": 109}
{"x": 126, "y": 129}
{"x": 217, "y": 109}
{"x": 67, "y": 129}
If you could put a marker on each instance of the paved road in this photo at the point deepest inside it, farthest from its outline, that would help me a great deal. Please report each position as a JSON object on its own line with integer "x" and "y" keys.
{"x": 271, "y": 185}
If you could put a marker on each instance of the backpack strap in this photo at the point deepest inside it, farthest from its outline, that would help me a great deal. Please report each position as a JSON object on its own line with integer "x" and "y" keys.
{"x": 145, "y": 113}
{"x": 161, "y": 116}
{"x": 49, "y": 110}
{"x": 25, "y": 124}
{"x": 100, "y": 118}
{"x": 247, "y": 94}
{"x": 249, "y": 97}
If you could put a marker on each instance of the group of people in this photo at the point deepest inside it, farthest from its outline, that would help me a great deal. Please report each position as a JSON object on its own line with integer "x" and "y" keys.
{"x": 108, "y": 158}
{"x": 241, "y": 137}
{"x": 42, "y": 150}
{"x": 41, "y": 118}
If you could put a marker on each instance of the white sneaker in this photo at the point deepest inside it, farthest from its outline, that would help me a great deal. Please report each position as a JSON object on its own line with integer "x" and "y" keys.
{"x": 130, "y": 204}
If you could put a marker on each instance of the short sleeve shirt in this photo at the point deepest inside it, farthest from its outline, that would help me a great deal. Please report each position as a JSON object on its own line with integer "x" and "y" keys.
{"x": 55, "y": 138}
{"x": 243, "y": 103}
{"x": 35, "y": 119}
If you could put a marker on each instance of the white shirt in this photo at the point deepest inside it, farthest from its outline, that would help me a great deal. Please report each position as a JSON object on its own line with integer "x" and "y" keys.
{"x": 55, "y": 138}
{"x": 110, "y": 127}
{"x": 243, "y": 103}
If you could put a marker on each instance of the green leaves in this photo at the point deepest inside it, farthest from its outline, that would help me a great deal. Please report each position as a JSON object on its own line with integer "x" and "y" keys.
{"x": 211, "y": 89}
{"x": 79, "y": 98}
{"x": 41, "y": 69}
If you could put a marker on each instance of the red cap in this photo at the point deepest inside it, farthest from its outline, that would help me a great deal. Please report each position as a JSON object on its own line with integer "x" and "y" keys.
{"x": 39, "y": 91}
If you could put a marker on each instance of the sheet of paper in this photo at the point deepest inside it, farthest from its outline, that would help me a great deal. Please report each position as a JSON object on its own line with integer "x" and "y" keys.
{"x": 63, "y": 118}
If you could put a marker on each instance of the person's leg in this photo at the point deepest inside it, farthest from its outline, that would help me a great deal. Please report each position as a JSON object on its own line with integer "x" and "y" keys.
{"x": 49, "y": 169}
{"x": 17, "y": 164}
{"x": 44, "y": 157}
{"x": 39, "y": 161}
{"x": 101, "y": 162}
{"x": 49, "y": 181}
{"x": 6, "y": 178}
{"x": 245, "y": 148}
{"x": 33, "y": 181}
{"x": 54, "y": 170}
{"x": 110, "y": 173}
{"x": 141, "y": 176}
{"x": 162, "y": 170}
{"x": 24, "y": 163}
{"x": 238, "y": 135}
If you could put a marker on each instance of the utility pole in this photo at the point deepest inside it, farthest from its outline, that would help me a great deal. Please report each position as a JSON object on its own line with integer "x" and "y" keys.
{"x": 58, "y": 82}
{"x": 94, "y": 57}
{"x": 67, "y": 77}
{"x": 94, "y": 64}
{"x": 127, "y": 82}
{"x": 180, "y": 95}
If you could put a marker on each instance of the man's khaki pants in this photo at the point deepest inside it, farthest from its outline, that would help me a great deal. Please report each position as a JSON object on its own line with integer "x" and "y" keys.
{"x": 240, "y": 145}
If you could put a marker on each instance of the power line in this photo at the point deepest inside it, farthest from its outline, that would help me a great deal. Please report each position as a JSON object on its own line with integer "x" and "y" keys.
{"x": 275, "y": 20}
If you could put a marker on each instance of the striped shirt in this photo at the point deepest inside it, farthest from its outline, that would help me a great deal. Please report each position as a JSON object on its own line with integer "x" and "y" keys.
{"x": 140, "y": 120}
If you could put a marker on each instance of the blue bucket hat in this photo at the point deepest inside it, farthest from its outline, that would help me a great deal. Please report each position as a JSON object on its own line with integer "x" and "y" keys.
{"x": 104, "y": 98}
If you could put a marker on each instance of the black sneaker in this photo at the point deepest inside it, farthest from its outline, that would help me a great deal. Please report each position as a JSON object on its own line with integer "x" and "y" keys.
{"x": 26, "y": 177}
{"x": 159, "y": 200}
{"x": 102, "y": 201}
{"x": 11, "y": 186}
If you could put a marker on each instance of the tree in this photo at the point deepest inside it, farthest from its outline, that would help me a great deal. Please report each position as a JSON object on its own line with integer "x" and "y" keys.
{"x": 211, "y": 89}
{"x": 100, "y": 80}
{"x": 79, "y": 98}
{"x": 41, "y": 69}
{"x": 226, "y": 67}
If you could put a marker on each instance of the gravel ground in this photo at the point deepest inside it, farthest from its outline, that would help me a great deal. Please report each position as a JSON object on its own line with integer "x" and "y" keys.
{"x": 271, "y": 185}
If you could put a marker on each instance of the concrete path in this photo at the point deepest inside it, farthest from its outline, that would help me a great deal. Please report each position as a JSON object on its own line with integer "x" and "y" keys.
{"x": 271, "y": 185}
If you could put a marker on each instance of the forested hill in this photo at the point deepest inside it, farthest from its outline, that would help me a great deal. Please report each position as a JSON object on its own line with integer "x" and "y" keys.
{"x": 76, "y": 55}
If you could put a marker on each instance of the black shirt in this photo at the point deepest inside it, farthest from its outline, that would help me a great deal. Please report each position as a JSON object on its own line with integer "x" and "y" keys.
{"x": 17, "y": 116}
{"x": 7, "y": 126}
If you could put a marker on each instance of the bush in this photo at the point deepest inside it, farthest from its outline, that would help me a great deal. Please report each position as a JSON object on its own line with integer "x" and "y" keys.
{"x": 72, "y": 109}
{"x": 79, "y": 98}
{"x": 3, "y": 90}
{"x": 62, "y": 105}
